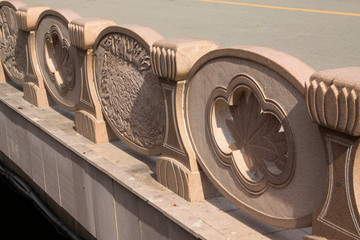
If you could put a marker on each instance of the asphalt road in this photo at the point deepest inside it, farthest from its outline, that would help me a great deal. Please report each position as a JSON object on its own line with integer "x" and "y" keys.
{"x": 322, "y": 40}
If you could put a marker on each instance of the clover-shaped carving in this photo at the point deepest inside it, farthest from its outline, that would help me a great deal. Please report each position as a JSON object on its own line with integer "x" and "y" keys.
{"x": 58, "y": 60}
{"x": 250, "y": 135}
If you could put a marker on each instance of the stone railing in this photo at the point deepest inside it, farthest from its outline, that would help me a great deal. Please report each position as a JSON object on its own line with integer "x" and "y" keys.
{"x": 238, "y": 117}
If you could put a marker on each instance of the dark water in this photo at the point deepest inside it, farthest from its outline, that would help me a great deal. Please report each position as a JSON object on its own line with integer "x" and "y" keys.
{"x": 20, "y": 219}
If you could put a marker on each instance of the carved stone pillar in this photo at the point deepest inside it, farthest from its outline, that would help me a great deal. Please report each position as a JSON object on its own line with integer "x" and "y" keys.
{"x": 34, "y": 88}
{"x": 89, "y": 120}
{"x": 333, "y": 102}
{"x": 177, "y": 169}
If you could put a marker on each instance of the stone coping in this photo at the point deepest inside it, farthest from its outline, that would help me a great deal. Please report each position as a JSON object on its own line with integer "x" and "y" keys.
{"x": 214, "y": 218}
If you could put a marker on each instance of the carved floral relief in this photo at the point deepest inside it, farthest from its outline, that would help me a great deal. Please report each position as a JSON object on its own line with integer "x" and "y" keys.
{"x": 129, "y": 91}
{"x": 250, "y": 135}
{"x": 12, "y": 45}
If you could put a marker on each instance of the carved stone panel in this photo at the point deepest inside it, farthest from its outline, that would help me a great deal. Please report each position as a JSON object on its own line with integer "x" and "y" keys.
{"x": 58, "y": 59}
{"x": 248, "y": 124}
{"x": 129, "y": 92}
{"x": 12, "y": 43}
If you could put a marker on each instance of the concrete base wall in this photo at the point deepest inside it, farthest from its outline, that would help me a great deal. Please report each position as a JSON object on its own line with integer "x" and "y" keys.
{"x": 86, "y": 198}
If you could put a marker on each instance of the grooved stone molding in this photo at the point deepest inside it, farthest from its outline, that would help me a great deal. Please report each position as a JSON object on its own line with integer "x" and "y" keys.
{"x": 129, "y": 92}
{"x": 58, "y": 59}
{"x": 12, "y": 42}
{"x": 177, "y": 169}
{"x": 173, "y": 58}
{"x": 250, "y": 140}
{"x": 173, "y": 175}
{"x": 332, "y": 100}
{"x": 27, "y": 17}
{"x": 84, "y": 31}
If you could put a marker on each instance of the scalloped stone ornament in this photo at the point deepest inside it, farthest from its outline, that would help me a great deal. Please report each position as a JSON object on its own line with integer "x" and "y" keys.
{"x": 58, "y": 61}
{"x": 251, "y": 135}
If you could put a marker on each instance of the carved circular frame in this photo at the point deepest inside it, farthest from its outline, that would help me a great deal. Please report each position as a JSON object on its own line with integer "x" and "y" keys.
{"x": 58, "y": 60}
{"x": 215, "y": 70}
{"x": 138, "y": 88}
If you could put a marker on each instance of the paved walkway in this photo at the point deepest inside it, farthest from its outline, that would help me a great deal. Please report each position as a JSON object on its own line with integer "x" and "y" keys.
{"x": 324, "y": 33}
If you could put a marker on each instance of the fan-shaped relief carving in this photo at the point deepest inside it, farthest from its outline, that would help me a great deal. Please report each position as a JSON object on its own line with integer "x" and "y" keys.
{"x": 251, "y": 135}
{"x": 58, "y": 60}
{"x": 12, "y": 45}
{"x": 130, "y": 93}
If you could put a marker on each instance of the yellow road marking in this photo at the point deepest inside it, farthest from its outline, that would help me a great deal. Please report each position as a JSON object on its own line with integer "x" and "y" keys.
{"x": 284, "y": 8}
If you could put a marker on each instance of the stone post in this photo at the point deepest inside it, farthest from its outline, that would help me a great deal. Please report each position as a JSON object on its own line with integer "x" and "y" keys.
{"x": 333, "y": 102}
{"x": 89, "y": 120}
{"x": 34, "y": 88}
{"x": 177, "y": 169}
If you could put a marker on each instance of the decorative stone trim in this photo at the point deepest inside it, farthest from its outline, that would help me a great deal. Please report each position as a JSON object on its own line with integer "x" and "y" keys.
{"x": 190, "y": 185}
{"x": 333, "y": 99}
{"x": 173, "y": 58}
{"x": 28, "y": 16}
{"x": 84, "y": 31}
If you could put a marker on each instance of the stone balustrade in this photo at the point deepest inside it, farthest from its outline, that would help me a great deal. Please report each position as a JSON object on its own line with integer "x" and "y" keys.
{"x": 257, "y": 125}
{"x": 333, "y": 103}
